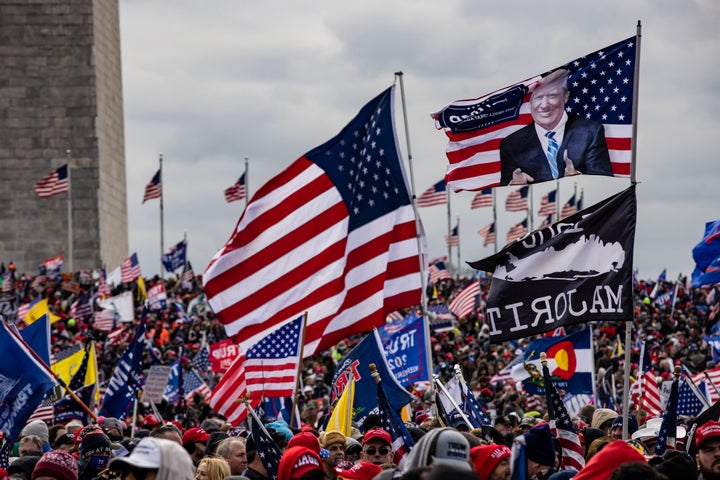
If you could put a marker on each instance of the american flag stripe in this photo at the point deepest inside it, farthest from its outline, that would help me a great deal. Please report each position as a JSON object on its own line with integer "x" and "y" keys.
{"x": 601, "y": 88}
{"x": 130, "y": 269}
{"x": 44, "y": 412}
{"x": 334, "y": 235}
{"x": 517, "y": 201}
{"x": 483, "y": 198}
{"x": 714, "y": 376}
{"x": 438, "y": 272}
{"x": 548, "y": 204}
{"x": 54, "y": 183}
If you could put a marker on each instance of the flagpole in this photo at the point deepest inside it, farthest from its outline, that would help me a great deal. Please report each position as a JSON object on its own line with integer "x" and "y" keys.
{"x": 449, "y": 237}
{"x": 531, "y": 217}
{"x": 55, "y": 376}
{"x": 439, "y": 384}
{"x": 674, "y": 297}
{"x": 494, "y": 222}
{"x": 458, "y": 244}
{"x": 70, "y": 216}
{"x": 247, "y": 182}
{"x": 162, "y": 226}
{"x": 695, "y": 389}
{"x": 299, "y": 368}
{"x": 636, "y": 88}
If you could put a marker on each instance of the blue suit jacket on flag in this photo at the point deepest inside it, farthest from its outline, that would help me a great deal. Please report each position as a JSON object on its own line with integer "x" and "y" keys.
{"x": 368, "y": 351}
{"x": 23, "y": 383}
{"x": 574, "y": 271}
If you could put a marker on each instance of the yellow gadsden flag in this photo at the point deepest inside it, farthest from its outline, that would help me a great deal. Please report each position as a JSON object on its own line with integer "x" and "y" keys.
{"x": 341, "y": 416}
{"x": 38, "y": 308}
{"x": 66, "y": 368}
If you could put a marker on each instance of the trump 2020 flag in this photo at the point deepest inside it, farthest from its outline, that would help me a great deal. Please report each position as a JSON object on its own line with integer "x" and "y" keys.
{"x": 23, "y": 383}
{"x": 574, "y": 271}
{"x": 496, "y": 133}
{"x": 707, "y": 256}
{"x": 357, "y": 363}
{"x": 404, "y": 344}
{"x": 176, "y": 257}
{"x": 334, "y": 235}
{"x": 125, "y": 381}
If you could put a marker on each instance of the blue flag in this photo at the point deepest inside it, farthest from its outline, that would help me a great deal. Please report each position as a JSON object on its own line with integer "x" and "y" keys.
{"x": 268, "y": 450}
{"x": 667, "y": 436}
{"x": 67, "y": 408}
{"x": 707, "y": 256}
{"x": 172, "y": 389}
{"x": 37, "y": 335}
{"x": 176, "y": 257}
{"x": 23, "y": 383}
{"x": 368, "y": 351}
{"x": 402, "y": 441}
{"x": 404, "y": 345}
{"x": 125, "y": 382}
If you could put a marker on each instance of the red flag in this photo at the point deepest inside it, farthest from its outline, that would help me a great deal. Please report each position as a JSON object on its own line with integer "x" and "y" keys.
{"x": 267, "y": 369}
{"x": 333, "y": 235}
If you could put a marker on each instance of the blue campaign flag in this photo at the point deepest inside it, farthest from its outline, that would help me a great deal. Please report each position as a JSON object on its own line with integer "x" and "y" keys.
{"x": 37, "y": 336}
{"x": 707, "y": 256}
{"x": 172, "y": 389}
{"x": 23, "y": 383}
{"x": 176, "y": 257}
{"x": 405, "y": 349}
{"x": 125, "y": 382}
{"x": 569, "y": 360}
{"x": 67, "y": 408}
{"x": 357, "y": 361}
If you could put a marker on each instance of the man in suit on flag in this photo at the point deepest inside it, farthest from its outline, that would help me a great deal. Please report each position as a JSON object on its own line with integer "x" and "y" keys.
{"x": 555, "y": 144}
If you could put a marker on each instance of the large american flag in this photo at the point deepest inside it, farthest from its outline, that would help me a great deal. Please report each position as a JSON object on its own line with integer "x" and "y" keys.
{"x": 267, "y": 369}
{"x": 464, "y": 302}
{"x": 154, "y": 188}
{"x": 237, "y": 191}
{"x": 484, "y": 198}
{"x": 435, "y": 195}
{"x": 54, "y": 183}
{"x": 334, "y": 235}
{"x": 517, "y": 201}
{"x": 562, "y": 426}
{"x": 130, "y": 269}
{"x": 601, "y": 89}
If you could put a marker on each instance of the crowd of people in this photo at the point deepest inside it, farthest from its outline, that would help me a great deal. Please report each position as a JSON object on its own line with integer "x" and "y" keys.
{"x": 190, "y": 440}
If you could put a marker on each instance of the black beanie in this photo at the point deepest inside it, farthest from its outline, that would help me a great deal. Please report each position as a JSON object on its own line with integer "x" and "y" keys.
{"x": 677, "y": 464}
{"x": 539, "y": 445}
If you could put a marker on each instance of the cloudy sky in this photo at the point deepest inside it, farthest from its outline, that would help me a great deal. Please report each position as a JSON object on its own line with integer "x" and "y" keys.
{"x": 209, "y": 83}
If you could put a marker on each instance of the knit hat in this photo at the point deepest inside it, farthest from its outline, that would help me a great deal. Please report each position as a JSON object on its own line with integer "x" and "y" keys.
{"x": 377, "y": 433}
{"x": 601, "y": 416}
{"x": 57, "y": 464}
{"x": 333, "y": 436}
{"x": 94, "y": 444}
{"x": 602, "y": 465}
{"x": 677, "y": 464}
{"x": 359, "y": 471}
{"x": 305, "y": 439}
{"x": 632, "y": 423}
{"x": 486, "y": 457}
{"x": 539, "y": 445}
{"x": 452, "y": 449}
{"x": 36, "y": 427}
{"x": 298, "y": 461}
{"x": 707, "y": 430}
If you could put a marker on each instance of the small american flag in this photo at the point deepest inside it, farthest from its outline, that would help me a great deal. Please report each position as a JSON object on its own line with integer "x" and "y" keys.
{"x": 154, "y": 188}
{"x": 464, "y": 302}
{"x": 484, "y": 198}
{"x": 56, "y": 182}
{"x": 268, "y": 368}
{"x": 454, "y": 238}
{"x": 202, "y": 359}
{"x": 645, "y": 393}
{"x": 568, "y": 208}
{"x": 435, "y": 195}
{"x": 237, "y": 191}
{"x": 104, "y": 320}
{"x": 53, "y": 264}
{"x": 548, "y": 204}
{"x": 130, "y": 269}
{"x": 689, "y": 404}
{"x": 488, "y": 233}
{"x": 192, "y": 384}
{"x": 438, "y": 271}
{"x": 517, "y": 201}
{"x": 268, "y": 450}
{"x": 517, "y": 231}
{"x": 44, "y": 411}
{"x": 560, "y": 422}
{"x": 118, "y": 335}
{"x": 81, "y": 308}
{"x": 711, "y": 376}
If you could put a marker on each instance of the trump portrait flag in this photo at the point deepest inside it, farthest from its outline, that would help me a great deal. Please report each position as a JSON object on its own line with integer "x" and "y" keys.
{"x": 573, "y": 271}
{"x": 334, "y": 235}
{"x": 496, "y": 133}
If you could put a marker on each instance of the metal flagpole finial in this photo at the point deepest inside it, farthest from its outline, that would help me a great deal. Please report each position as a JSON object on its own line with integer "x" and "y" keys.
{"x": 543, "y": 359}
{"x": 374, "y": 373}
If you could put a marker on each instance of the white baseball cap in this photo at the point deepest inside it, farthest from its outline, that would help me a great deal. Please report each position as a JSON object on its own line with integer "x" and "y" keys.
{"x": 146, "y": 454}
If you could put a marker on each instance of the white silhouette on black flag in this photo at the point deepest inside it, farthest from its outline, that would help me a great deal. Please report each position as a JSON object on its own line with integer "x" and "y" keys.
{"x": 573, "y": 271}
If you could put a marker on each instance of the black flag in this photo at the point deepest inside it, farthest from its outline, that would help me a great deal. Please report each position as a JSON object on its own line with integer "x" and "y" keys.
{"x": 574, "y": 271}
